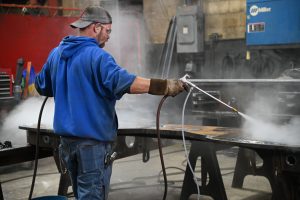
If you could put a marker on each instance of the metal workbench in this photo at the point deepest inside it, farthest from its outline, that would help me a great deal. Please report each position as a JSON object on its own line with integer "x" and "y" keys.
{"x": 280, "y": 161}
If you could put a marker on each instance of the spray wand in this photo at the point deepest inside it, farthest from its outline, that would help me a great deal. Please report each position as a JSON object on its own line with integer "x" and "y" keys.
{"x": 183, "y": 79}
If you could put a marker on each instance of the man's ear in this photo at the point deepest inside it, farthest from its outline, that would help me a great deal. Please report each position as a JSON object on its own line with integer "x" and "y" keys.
{"x": 97, "y": 29}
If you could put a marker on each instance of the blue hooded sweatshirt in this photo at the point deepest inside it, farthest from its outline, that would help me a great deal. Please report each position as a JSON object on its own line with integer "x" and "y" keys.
{"x": 85, "y": 82}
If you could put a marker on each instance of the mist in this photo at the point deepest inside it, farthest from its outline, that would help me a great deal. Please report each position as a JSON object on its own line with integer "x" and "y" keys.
{"x": 26, "y": 114}
{"x": 262, "y": 124}
{"x": 128, "y": 45}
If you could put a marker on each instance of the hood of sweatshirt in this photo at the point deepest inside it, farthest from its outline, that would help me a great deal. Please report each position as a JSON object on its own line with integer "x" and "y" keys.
{"x": 71, "y": 44}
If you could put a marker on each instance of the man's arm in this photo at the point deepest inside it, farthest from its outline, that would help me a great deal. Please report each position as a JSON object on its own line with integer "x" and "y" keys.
{"x": 140, "y": 85}
{"x": 157, "y": 86}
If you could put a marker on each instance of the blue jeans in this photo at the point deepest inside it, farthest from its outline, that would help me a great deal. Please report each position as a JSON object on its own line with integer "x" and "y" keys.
{"x": 84, "y": 160}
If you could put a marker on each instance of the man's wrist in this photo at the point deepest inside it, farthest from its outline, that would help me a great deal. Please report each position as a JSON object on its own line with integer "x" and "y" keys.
{"x": 158, "y": 86}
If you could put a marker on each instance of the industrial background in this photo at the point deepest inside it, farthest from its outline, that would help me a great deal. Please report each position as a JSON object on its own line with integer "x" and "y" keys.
{"x": 245, "y": 53}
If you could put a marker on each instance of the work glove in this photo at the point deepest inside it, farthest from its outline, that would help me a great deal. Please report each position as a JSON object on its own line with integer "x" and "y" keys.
{"x": 167, "y": 87}
{"x": 174, "y": 87}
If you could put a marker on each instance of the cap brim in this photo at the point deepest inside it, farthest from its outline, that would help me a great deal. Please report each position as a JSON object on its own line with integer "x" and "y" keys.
{"x": 80, "y": 24}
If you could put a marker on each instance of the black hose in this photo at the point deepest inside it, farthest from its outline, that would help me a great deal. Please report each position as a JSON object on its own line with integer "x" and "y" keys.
{"x": 167, "y": 52}
{"x": 160, "y": 146}
{"x": 163, "y": 53}
{"x": 36, "y": 159}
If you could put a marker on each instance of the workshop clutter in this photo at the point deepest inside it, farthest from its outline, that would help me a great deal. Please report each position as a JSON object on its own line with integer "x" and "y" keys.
{"x": 28, "y": 78}
{"x": 24, "y": 81}
{"x": 5, "y": 84}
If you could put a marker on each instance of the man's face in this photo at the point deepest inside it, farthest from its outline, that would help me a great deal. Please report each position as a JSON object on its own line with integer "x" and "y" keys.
{"x": 104, "y": 34}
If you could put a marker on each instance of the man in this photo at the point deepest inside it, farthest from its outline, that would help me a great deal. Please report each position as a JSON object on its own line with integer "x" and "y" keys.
{"x": 85, "y": 82}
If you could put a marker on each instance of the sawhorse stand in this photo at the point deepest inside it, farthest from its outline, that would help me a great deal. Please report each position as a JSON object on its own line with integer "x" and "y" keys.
{"x": 209, "y": 168}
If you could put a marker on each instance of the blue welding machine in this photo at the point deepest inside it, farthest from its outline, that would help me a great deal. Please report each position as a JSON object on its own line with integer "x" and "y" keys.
{"x": 273, "y": 22}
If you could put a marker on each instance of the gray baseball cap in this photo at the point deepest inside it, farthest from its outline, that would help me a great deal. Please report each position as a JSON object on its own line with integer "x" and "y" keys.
{"x": 92, "y": 14}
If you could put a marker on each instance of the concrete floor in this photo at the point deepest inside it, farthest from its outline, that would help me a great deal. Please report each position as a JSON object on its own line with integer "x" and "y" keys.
{"x": 134, "y": 180}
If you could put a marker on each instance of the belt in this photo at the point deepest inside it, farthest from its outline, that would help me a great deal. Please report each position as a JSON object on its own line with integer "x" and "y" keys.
{"x": 75, "y": 138}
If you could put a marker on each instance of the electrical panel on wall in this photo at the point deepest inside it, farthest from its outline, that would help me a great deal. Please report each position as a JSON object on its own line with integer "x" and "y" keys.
{"x": 190, "y": 29}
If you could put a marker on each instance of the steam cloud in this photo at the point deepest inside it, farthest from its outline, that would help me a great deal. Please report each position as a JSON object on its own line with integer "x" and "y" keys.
{"x": 26, "y": 114}
{"x": 261, "y": 124}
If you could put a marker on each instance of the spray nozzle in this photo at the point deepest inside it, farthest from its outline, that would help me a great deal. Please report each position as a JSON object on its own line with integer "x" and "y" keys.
{"x": 234, "y": 109}
{"x": 183, "y": 79}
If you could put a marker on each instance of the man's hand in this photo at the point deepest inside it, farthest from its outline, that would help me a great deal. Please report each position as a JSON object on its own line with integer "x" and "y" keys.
{"x": 167, "y": 87}
{"x": 175, "y": 87}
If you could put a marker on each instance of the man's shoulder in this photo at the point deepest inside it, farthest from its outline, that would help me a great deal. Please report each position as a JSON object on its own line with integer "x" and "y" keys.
{"x": 99, "y": 52}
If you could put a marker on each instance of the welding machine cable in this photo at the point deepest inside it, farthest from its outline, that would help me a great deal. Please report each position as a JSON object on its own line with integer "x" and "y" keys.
{"x": 36, "y": 159}
{"x": 160, "y": 146}
{"x": 184, "y": 144}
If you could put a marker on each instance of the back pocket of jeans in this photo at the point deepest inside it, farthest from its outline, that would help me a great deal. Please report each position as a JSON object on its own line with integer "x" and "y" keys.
{"x": 91, "y": 157}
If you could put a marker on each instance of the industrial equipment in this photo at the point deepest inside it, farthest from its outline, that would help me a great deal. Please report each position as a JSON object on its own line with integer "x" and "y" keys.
{"x": 5, "y": 85}
{"x": 238, "y": 69}
{"x": 272, "y": 23}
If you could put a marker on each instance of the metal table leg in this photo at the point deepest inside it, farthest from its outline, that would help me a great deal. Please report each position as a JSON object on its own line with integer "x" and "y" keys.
{"x": 209, "y": 166}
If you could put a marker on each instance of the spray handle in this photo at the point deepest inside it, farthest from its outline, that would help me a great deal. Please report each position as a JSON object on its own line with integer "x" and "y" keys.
{"x": 183, "y": 79}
